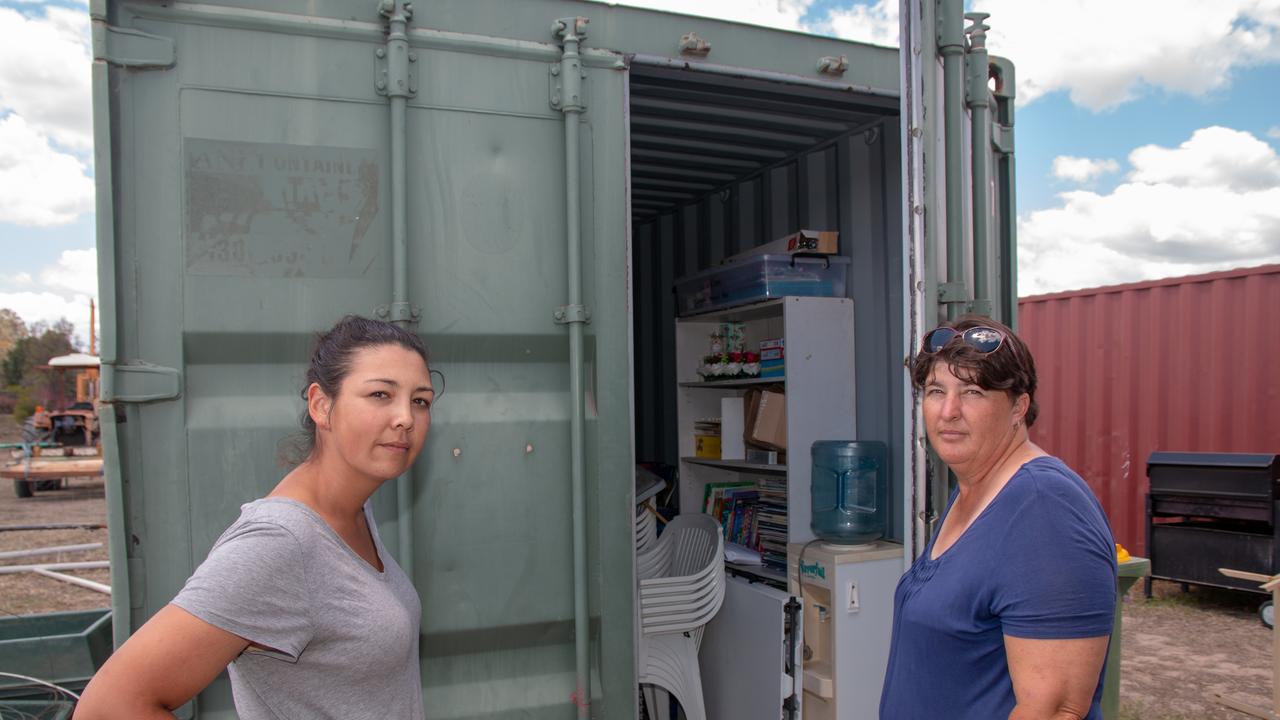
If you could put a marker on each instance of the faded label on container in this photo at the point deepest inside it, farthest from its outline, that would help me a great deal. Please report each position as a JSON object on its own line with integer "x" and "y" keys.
{"x": 274, "y": 210}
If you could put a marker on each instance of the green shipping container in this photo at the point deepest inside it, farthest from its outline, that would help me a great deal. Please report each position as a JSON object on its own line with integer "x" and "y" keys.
{"x": 522, "y": 188}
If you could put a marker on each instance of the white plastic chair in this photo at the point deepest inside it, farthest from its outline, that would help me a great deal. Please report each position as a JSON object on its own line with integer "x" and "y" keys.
{"x": 681, "y": 589}
{"x": 646, "y": 530}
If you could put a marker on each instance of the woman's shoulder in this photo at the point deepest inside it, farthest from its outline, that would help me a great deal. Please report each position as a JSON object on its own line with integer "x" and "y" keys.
{"x": 273, "y": 517}
{"x": 1050, "y": 484}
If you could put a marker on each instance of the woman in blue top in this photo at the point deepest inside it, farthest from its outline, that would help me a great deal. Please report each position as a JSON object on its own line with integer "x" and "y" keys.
{"x": 1008, "y": 612}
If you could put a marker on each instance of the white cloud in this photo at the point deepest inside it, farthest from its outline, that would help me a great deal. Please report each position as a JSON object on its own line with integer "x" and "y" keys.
{"x": 76, "y": 271}
{"x": 50, "y": 307}
{"x": 1082, "y": 170}
{"x": 61, "y": 290}
{"x": 38, "y": 184}
{"x": 1182, "y": 210}
{"x": 45, "y": 72}
{"x": 784, "y": 14}
{"x": 1213, "y": 157}
{"x": 1105, "y": 53}
{"x": 876, "y": 24}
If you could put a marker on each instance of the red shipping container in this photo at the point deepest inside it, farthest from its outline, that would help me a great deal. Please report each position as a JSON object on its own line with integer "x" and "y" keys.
{"x": 1183, "y": 364}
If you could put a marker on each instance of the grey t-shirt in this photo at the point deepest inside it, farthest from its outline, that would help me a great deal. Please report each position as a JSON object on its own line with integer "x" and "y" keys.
{"x": 343, "y": 636}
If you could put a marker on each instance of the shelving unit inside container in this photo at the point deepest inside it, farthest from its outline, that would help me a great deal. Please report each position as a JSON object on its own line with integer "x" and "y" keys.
{"x": 770, "y": 509}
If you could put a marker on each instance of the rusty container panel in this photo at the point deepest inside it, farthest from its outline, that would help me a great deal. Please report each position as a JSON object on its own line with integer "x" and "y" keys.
{"x": 1183, "y": 364}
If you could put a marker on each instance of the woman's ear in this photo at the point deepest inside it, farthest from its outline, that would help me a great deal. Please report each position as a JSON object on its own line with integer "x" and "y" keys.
{"x": 1020, "y": 406}
{"x": 318, "y": 406}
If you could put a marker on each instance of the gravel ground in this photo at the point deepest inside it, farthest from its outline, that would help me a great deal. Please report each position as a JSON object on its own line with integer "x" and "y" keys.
{"x": 82, "y": 501}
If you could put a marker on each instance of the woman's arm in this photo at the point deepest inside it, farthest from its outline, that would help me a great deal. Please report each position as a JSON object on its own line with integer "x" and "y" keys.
{"x": 1054, "y": 679}
{"x": 167, "y": 661}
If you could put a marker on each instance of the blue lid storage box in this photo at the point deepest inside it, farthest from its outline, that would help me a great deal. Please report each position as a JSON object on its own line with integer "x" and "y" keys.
{"x": 761, "y": 277}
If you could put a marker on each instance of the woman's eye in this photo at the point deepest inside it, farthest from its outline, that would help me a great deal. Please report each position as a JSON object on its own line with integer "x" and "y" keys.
{"x": 424, "y": 402}
{"x": 380, "y": 394}
{"x": 973, "y": 392}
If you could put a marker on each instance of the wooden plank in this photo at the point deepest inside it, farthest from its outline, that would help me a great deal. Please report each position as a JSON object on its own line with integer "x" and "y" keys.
{"x": 1243, "y": 575}
{"x": 53, "y": 469}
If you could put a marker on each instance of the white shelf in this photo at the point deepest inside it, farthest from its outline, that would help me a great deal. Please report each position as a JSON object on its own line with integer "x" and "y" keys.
{"x": 737, "y": 382}
{"x": 758, "y": 572}
{"x": 739, "y": 465}
{"x": 742, "y": 313}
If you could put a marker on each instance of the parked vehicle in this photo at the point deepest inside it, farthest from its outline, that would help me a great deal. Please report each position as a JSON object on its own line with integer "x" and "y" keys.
{"x": 522, "y": 182}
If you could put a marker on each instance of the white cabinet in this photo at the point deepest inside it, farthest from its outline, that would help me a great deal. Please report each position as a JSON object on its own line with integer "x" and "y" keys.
{"x": 848, "y": 621}
{"x": 752, "y": 653}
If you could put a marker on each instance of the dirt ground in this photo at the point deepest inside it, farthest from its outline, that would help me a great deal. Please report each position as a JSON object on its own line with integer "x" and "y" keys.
{"x": 82, "y": 501}
{"x": 1179, "y": 648}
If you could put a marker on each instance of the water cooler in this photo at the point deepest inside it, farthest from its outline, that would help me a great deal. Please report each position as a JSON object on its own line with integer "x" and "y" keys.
{"x": 847, "y": 582}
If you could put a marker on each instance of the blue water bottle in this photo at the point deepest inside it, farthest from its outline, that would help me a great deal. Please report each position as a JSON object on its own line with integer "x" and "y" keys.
{"x": 849, "y": 490}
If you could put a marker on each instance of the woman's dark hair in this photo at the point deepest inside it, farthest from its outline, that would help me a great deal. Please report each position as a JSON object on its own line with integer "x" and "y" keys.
{"x": 1009, "y": 368}
{"x": 331, "y": 363}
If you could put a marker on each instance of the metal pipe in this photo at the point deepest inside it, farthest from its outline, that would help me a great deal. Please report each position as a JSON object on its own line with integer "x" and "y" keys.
{"x": 915, "y": 506}
{"x": 89, "y": 584}
{"x": 86, "y": 565}
{"x": 574, "y": 314}
{"x": 35, "y": 552}
{"x": 104, "y": 220}
{"x": 1005, "y": 91}
{"x": 284, "y": 23}
{"x": 749, "y": 73}
{"x": 399, "y": 88}
{"x": 951, "y": 46}
{"x": 978, "y": 99}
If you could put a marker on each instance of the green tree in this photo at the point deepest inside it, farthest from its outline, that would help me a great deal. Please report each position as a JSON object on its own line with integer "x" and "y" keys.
{"x": 12, "y": 329}
{"x": 22, "y": 367}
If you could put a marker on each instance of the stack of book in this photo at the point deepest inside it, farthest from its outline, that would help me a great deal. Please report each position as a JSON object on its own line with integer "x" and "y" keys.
{"x": 706, "y": 438}
{"x": 771, "y": 521}
{"x": 753, "y": 514}
{"x": 772, "y": 358}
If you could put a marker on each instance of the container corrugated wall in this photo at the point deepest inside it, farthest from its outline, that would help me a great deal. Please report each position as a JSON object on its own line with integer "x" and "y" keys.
{"x": 1184, "y": 364}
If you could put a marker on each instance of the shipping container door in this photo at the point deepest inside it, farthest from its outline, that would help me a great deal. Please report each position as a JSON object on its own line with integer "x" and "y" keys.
{"x": 244, "y": 167}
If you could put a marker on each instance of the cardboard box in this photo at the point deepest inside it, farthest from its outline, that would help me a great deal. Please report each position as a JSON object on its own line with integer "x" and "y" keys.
{"x": 768, "y": 421}
{"x": 775, "y": 353}
{"x": 825, "y": 242}
{"x": 706, "y": 446}
{"x": 732, "y": 427}
{"x": 818, "y": 242}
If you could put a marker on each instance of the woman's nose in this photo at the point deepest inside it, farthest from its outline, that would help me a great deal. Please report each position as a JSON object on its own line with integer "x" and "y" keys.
{"x": 950, "y": 405}
{"x": 404, "y": 416}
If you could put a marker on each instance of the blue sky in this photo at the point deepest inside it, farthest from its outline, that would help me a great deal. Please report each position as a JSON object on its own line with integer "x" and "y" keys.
{"x": 1147, "y": 135}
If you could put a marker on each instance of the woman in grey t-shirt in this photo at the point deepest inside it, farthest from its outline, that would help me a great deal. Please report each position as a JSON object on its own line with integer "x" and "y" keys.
{"x": 298, "y": 599}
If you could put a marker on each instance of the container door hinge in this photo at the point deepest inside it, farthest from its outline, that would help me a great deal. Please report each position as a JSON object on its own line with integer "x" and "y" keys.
{"x": 395, "y": 67}
{"x": 125, "y": 47}
{"x": 566, "y": 314}
{"x": 567, "y": 75}
{"x": 396, "y": 79}
{"x": 1002, "y": 138}
{"x": 953, "y": 292}
{"x": 980, "y": 306}
{"x": 140, "y": 383}
{"x": 398, "y": 312}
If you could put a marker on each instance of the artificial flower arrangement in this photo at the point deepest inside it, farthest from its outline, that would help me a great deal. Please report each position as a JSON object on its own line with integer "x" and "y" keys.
{"x": 728, "y": 360}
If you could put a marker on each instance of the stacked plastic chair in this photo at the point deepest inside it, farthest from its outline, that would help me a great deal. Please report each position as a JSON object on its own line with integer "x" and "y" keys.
{"x": 681, "y": 589}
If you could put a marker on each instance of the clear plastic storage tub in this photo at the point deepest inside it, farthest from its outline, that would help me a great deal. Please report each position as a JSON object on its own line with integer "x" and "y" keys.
{"x": 761, "y": 277}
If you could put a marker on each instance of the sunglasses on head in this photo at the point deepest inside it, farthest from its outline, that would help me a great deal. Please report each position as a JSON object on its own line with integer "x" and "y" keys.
{"x": 981, "y": 338}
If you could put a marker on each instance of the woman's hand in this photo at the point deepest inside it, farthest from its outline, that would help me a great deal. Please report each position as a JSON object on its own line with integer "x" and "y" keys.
{"x": 1054, "y": 679}
{"x": 167, "y": 662}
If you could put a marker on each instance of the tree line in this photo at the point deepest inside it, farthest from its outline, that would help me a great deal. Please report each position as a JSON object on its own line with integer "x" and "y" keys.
{"x": 23, "y": 349}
